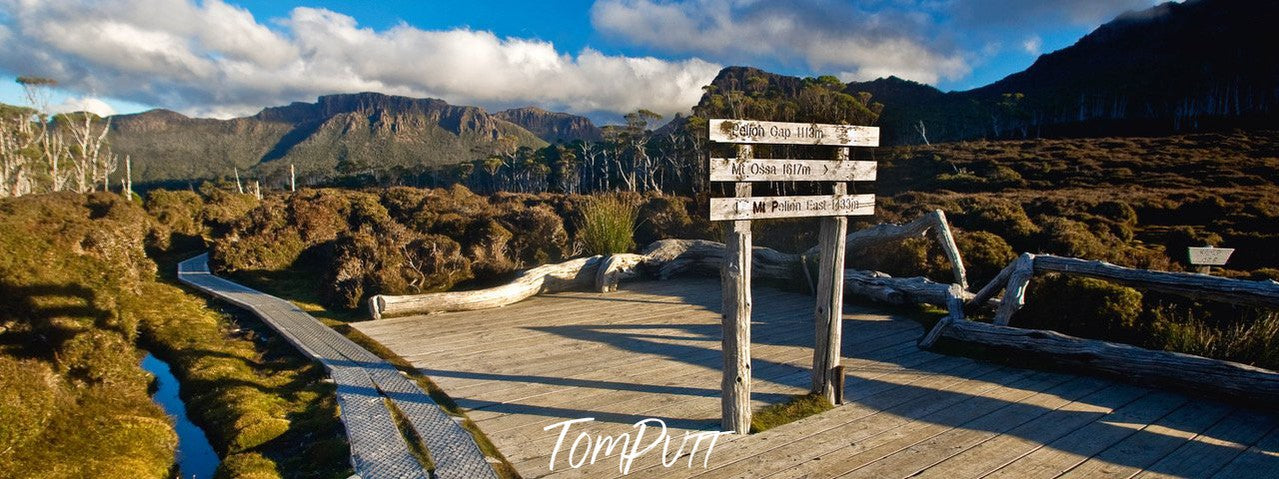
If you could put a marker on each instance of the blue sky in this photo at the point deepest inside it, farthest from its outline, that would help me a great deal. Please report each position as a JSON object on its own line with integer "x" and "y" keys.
{"x": 599, "y": 58}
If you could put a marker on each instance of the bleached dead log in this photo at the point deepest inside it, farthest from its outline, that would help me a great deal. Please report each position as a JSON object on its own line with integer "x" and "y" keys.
{"x": 994, "y": 286}
{"x": 576, "y": 274}
{"x": 669, "y": 258}
{"x": 1015, "y": 292}
{"x": 1263, "y": 294}
{"x": 941, "y": 231}
{"x": 1163, "y": 368}
{"x": 886, "y": 232}
{"x": 887, "y": 289}
{"x": 614, "y": 269}
{"x": 955, "y": 312}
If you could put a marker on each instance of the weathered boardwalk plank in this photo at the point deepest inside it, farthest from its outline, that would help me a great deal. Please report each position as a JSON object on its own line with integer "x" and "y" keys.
{"x": 364, "y": 383}
{"x": 651, "y": 350}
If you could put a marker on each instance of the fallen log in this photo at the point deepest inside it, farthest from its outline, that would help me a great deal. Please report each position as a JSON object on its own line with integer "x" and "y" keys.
{"x": 668, "y": 258}
{"x": 1262, "y": 294}
{"x": 1159, "y": 368}
{"x": 955, "y": 312}
{"x": 887, "y": 289}
{"x": 934, "y": 221}
{"x": 569, "y": 275}
{"x": 614, "y": 269}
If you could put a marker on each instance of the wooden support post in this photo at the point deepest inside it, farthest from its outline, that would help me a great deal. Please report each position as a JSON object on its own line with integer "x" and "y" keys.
{"x": 829, "y": 314}
{"x": 735, "y": 278}
{"x": 293, "y": 179}
{"x": 1015, "y": 292}
{"x": 840, "y": 377}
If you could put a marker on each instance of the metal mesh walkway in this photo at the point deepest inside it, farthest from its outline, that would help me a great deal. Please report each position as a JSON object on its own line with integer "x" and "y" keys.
{"x": 365, "y": 383}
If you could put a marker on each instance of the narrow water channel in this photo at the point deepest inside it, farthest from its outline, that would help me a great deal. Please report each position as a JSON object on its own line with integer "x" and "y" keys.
{"x": 196, "y": 459}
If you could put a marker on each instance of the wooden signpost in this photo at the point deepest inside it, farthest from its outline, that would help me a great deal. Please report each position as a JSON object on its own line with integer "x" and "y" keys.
{"x": 742, "y": 208}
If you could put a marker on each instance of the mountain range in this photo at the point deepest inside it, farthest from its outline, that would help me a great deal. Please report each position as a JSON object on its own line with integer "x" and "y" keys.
{"x": 346, "y": 134}
{"x": 1202, "y": 64}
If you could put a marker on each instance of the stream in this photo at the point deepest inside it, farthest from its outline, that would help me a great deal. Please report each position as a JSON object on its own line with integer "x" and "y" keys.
{"x": 196, "y": 459}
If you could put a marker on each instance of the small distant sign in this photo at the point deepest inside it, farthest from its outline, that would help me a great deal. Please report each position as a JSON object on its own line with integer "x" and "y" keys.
{"x": 1209, "y": 256}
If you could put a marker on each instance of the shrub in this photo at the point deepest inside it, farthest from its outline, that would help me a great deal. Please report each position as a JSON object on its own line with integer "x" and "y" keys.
{"x": 1070, "y": 238}
{"x": 909, "y": 257}
{"x": 663, "y": 217}
{"x": 29, "y": 393}
{"x": 180, "y": 211}
{"x": 538, "y": 235}
{"x": 274, "y": 235}
{"x": 996, "y": 215}
{"x": 75, "y": 404}
{"x": 984, "y": 255}
{"x": 608, "y": 225}
{"x": 223, "y": 209}
{"x": 486, "y": 245}
{"x": 1082, "y": 307}
{"x": 393, "y": 261}
{"x": 1116, "y": 211}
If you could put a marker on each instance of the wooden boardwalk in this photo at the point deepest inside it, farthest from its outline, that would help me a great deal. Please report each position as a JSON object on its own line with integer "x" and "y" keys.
{"x": 365, "y": 386}
{"x": 651, "y": 350}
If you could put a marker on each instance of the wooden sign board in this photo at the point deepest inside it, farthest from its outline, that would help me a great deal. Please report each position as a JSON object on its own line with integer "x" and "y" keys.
{"x": 741, "y": 169}
{"x": 746, "y": 131}
{"x": 766, "y": 207}
{"x": 1209, "y": 256}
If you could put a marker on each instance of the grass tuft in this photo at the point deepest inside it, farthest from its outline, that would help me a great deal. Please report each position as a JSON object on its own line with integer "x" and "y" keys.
{"x": 608, "y": 225}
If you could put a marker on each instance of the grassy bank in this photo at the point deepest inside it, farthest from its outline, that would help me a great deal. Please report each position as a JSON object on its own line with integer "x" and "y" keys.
{"x": 73, "y": 397}
{"x": 83, "y": 301}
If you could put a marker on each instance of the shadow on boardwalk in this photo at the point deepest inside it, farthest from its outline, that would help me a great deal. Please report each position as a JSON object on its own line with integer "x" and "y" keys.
{"x": 575, "y": 355}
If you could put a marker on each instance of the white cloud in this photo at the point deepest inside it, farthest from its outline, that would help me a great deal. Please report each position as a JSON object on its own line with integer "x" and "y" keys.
{"x": 1032, "y": 14}
{"x": 1032, "y": 44}
{"x": 213, "y": 58}
{"x": 89, "y": 104}
{"x": 817, "y": 34}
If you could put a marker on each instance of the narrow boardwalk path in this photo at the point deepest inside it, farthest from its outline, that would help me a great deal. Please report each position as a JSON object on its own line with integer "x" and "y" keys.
{"x": 365, "y": 384}
{"x": 652, "y": 350}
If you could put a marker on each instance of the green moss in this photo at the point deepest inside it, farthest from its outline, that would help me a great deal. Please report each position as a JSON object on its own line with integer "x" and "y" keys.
{"x": 798, "y": 407}
{"x": 75, "y": 399}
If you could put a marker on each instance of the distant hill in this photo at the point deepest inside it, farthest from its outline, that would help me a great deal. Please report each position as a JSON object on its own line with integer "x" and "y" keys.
{"x": 551, "y": 126}
{"x": 338, "y": 134}
{"x": 1198, "y": 65}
